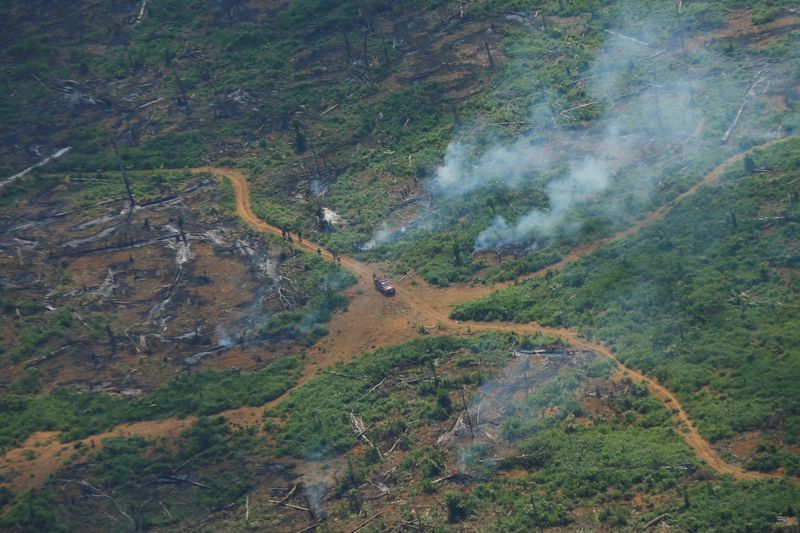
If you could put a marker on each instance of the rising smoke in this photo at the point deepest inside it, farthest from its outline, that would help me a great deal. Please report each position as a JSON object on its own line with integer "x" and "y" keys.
{"x": 648, "y": 109}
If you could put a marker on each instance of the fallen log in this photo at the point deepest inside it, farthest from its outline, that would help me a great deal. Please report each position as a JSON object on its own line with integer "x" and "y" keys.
{"x": 167, "y": 199}
{"x": 341, "y": 375}
{"x": 140, "y": 16}
{"x": 746, "y": 98}
{"x": 655, "y": 521}
{"x": 134, "y": 244}
{"x": 291, "y": 505}
{"x": 577, "y": 107}
{"x": 164, "y": 508}
{"x": 177, "y": 480}
{"x": 376, "y": 386}
{"x": 196, "y": 358}
{"x": 637, "y": 41}
{"x": 152, "y": 102}
{"x": 581, "y": 80}
{"x": 309, "y": 528}
{"x": 328, "y": 110}
{"x": 97, "y": 492}
{"x": 37, "y": 360}
{"x": 289, "y": 494}
{"x": 517, "y": 123}
{"x": 366, "y": 522}
{"x": 64, "y": 213}
{"x": 394, "y": 445}
{"x": 55, "y": 155}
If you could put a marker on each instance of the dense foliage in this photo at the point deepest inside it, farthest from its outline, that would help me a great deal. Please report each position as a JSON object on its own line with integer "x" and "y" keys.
{"x": 314, "y": 420}
{"x": 131, "y": 481}
{"x": 79, "y": 413}
{"x": 323, "y": 104}
{"x": 705, "y": 300}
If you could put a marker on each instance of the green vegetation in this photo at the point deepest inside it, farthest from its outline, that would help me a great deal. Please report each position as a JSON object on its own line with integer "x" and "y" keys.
{"x": 573, "y": 465}
{"x": 35, "y": 512}
{"x": 569, "y": 465}
{"x": 145, "y": 186}
{"x": 728, "y": 506}
{"x": 41, "y": 339}
{"x": 350, "y": 105}
{"x": 314, "y": 420}
{"x": 322, "y": 282}
{"x": 78, "y": 413}
{"x": 546, "y": 72}
{"x": 131, "y": 481}
{"x": 705, "y": 300}
{"x": 583, "y": 462}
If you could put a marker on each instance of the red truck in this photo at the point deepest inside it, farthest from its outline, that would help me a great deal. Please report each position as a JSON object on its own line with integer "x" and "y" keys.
{"x": 383, "y": 285}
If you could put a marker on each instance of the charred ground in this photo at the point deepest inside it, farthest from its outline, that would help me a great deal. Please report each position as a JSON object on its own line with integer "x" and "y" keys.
{"x": 124, "y": 328}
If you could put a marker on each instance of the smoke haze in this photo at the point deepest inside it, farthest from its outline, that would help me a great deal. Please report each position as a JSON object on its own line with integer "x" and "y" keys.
{"x": 648, "y": 108}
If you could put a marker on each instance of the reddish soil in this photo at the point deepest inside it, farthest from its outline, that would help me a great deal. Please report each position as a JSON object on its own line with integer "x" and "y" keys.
{"x": 739, "y": 26}
{"x": 417, "y": 304}
{"x": 354, "y": 331}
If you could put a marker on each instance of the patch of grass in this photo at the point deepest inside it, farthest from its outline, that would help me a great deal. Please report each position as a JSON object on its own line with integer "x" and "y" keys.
{"x": 705, "y": 300}
{"x": 145, "y": 186}
{"x": 78, "y": 413}
{"x": 203, "y": 472}
{"x": 582, "y": 462}
{"x": 42, "y": 338}
{"x": 718, "y": 506}
{"x": 314, "y": 420}
{"x": 322, "y": 282}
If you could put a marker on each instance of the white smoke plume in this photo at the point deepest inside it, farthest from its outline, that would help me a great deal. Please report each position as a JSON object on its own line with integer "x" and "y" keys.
{"x": 585, "y": 179}
{"x": 648, "y": 108}
{"x": 381, "y": 235}
{"x": 510, "y": 165}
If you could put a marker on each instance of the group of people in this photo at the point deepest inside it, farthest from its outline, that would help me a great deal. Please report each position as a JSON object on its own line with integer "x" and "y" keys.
{"x": 333, "y": 253}
{"x": 286, "y": 236}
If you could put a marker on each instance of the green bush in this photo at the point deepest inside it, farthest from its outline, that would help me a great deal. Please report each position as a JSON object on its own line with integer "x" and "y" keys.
{"x": 315, "y": 420}
{"x": 79, "y": 414}
{"x": 663, "y": 300}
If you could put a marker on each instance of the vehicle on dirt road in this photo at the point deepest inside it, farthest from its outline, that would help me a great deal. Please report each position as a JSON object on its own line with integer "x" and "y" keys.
{"x": 383, "y": 285}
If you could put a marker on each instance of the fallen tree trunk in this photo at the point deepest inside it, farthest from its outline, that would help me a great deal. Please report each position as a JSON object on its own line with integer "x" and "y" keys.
{"x": 291, "y": 505}
{"x": 18, "y": 175}
{"x": 134, "y": 244}
{"x": 577, "y": 107}
{"x": 746, "y": 98}
{"x": 366, "y": 522}
{"x": 637, "y": 41}
{"x": 655, "y": 521}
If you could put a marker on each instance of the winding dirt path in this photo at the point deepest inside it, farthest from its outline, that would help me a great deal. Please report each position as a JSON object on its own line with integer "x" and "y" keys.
{"x": 399, "y": 318}
{"x": 425, "y": 302}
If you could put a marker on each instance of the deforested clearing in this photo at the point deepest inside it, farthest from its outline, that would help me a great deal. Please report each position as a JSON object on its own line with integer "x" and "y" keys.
{"x": 400, "y": 266}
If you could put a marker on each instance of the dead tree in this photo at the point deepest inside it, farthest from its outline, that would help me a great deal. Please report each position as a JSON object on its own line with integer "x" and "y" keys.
{"x": 747, "y": 95}
{"x": 183, "y": 99}
{"x": 536, "y": 514}
{"x": 348, "y": 49}
{"x": 466, "y": 414}
{"x": 366, "y": 57}
{"x": 456, "y": 254}
{"x": 433, "y": 369}
{"x": 131, "y": 201}
{"x": 386, "y": 52}
{"x": 489, "y": 54}
{"x": 112, "y": 343}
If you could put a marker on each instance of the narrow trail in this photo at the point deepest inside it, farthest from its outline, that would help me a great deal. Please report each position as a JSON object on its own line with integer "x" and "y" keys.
{"x": 434, "y": 304}
{"x": 353, "y": 332}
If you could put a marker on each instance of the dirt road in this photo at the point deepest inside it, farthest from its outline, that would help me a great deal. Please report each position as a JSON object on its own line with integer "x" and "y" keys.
{"x": 353, "y": 332}
{"x": 424, "y": 303}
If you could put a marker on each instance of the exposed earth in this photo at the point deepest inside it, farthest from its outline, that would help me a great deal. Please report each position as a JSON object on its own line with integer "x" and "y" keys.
{"x": 353, "y": 332}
